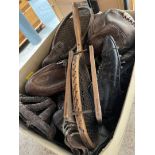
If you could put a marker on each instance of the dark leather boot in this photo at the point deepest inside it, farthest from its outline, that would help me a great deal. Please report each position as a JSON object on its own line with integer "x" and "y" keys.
{"x": 109, "y": 81}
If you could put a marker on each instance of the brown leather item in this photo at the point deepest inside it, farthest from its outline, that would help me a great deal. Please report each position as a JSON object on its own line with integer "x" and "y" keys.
{"x": 47, "y": 81}
{"x": 55, "y": 54}
{"x": 65, "y": 34}
{"x": 117, "y": 23}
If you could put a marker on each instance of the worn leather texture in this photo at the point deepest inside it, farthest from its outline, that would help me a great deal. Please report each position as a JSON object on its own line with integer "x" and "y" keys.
{"x": 65, "y": 34}
{"x": 114, "y": 22}
{"x": 109, "y": 80}
{"x": 47, "y": 81}
{"x": 55, "y": 55}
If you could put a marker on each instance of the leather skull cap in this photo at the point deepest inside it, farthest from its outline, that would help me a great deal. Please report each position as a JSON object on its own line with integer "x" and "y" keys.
{"x": 47, "y": 81}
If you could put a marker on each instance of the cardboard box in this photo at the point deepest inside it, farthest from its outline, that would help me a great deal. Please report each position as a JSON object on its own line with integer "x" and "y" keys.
{"x": 34, "y": 140}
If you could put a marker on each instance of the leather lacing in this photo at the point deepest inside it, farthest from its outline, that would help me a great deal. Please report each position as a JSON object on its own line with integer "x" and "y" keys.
{"x": 128, "y": 18}
{"x": 125, "y": 15}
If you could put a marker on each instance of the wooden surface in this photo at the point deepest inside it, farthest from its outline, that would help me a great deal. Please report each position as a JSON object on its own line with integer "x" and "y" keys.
{"x": 27, "y": 10}
{"x": 77, "y": 27}
{"x": 68, "y": 116}
{"x": 98, "y": 111}
{"x": 131, "y": 4}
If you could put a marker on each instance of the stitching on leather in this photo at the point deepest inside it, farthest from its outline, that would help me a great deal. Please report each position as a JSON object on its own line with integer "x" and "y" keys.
{"x": 119, "y": 31}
